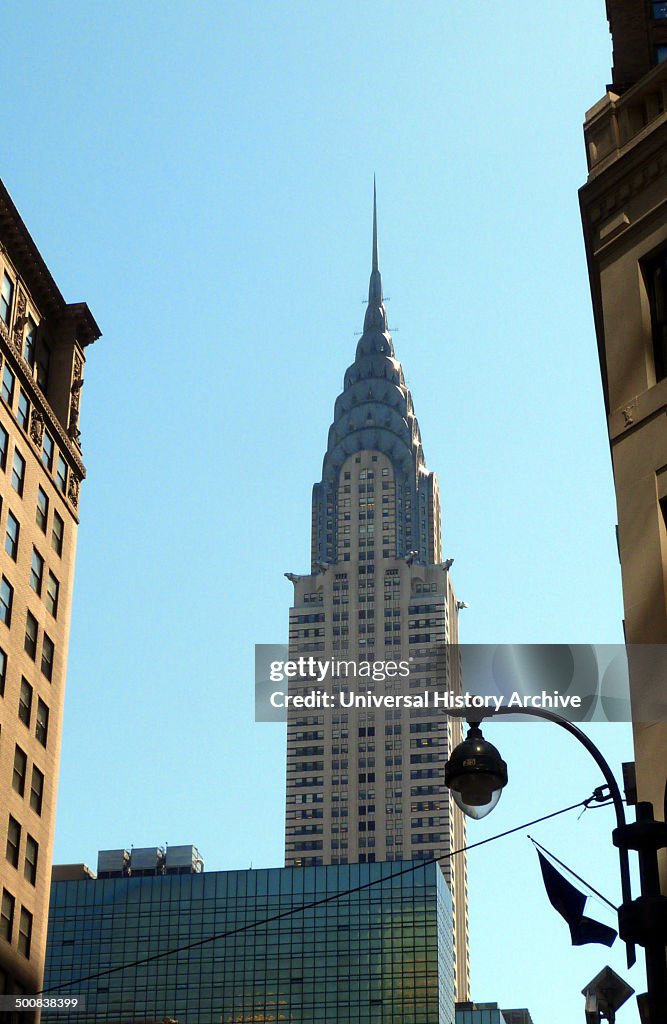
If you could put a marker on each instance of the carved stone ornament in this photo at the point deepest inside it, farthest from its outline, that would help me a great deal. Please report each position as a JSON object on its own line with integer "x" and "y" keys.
{"x": 37, "y": 427}
{"x": 74, "y": 408}
{"x": 20, "y": 321}
{"x": 73, "y": 490}
{"x": 75, "y": 399}
{"x": 629, "y": 413}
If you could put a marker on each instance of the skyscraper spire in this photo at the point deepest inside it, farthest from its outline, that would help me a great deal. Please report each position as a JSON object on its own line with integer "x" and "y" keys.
{"x": 375, "y": 413}
{"x": 375, "y": 229}
{"x": 376, "y": 568}
{"x": 376, "y": 317}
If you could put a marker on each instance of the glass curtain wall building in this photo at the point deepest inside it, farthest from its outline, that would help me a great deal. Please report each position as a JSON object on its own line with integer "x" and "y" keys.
{"x": 382, "y": 953}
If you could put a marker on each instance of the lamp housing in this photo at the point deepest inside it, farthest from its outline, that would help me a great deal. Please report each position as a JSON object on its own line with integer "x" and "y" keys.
{"x": 476, "y": 774}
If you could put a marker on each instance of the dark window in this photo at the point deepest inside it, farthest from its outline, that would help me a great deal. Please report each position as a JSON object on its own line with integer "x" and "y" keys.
{"x": 29, "y": 343}
{"x": 13, "y": 841}
{"x": 23, "y": 410}
{"x": 12, "y": 536}
{"x": 48, "y": 650}
{"x": 659, "y": 9}
{"x": 52, "y": 591}
{"x": 31, "y": 630}
{"x": 42, "y": 509}
{"x": 31, "y": 857}
{"x": 48, "y": 449}
{"x": 3, "y": 671}
{"x": 6, "y": 598}
{"x": 36, "y": 572}
{"x": 8, "y": 383}
{"x": 20, "y": 769}
{"x": 61, "y": 473}
{"x": 36, "y": 790}
{"x": 6, "y": 298}
{"x": 25, "y": 932}
{"x": 18, "y": 472}
{"x": 4, "y": 445}
{"x": 43, "y": 360}
{"x": 25, "y": 702}
{"x": 660, "y": 54}
{"x": 656, "y": 280}
{"x": 42, "y": 724}
{"x": 57, "y": 533}
{"x": 7, "y": 916}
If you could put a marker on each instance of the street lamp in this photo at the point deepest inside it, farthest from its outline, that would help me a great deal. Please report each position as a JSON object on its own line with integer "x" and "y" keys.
{"x": 476, "y": 775}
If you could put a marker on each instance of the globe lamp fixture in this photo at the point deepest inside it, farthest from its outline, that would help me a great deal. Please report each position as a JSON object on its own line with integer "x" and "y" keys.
{"x": 476, "y": 774}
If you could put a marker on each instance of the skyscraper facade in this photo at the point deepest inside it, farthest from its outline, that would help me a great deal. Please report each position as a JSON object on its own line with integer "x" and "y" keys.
{"x": 42, "y": 343}
{"x": 237, "y": 946}
{"x": 624, "y": 215}
{"x": 368, "y": 785}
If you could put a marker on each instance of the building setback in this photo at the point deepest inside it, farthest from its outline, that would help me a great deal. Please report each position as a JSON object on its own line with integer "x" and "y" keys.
{"x": 490, "y": 1013}
{"x": 42, "y": 343}
{"x": 624, "y": 215}
{"x": 368, "y": 785}
{"x": 382, "y": 953}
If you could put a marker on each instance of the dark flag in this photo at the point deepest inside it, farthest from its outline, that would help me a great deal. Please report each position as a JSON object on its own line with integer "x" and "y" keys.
{"x": 570, "y": 903}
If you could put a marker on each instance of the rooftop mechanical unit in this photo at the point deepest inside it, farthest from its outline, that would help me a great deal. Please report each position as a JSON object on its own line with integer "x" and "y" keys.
{"x": 184, "y": 860}
{"x": 113, "y": 863}
{"x": 144, "y": 861}
{"x": 147, "y": 860}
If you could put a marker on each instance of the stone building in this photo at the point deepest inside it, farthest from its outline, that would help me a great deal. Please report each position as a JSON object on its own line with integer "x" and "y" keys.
{"x": 42, "y": 345}
{"x": 624, "y": 214}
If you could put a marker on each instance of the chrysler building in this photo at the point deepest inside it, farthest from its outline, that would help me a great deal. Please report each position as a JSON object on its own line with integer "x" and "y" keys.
{"x": 368, "y": 785}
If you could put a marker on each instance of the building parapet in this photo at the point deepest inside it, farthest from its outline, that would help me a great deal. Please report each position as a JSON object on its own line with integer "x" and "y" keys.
{"x": 617, "y": 122}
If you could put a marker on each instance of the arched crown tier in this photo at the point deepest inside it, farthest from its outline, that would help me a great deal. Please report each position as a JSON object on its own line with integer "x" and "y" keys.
{"x": 374, "y": 412}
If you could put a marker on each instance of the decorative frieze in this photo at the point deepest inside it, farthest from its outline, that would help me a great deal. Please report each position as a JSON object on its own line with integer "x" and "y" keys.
{"x": 630, "y": 185}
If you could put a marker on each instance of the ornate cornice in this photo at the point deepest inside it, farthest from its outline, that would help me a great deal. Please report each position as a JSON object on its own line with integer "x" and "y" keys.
{"x": 17, "y": 244}
{"x": 42, "y": 416}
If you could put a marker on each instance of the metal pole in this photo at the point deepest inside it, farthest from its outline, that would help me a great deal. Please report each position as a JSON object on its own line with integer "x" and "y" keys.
{"x": 656, "y": 963}
{"x": 647, "y": 916}
{"x": 614, "y": 791}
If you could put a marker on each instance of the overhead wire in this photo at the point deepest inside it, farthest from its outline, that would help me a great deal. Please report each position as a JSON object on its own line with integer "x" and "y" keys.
{"x": 415, "y": 866}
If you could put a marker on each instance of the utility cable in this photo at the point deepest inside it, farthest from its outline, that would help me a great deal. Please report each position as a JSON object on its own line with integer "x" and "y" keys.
{"x": 307, "y": 906}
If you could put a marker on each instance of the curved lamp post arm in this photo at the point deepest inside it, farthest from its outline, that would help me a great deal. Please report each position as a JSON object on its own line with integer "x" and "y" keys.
{"x": 614, "y": 791}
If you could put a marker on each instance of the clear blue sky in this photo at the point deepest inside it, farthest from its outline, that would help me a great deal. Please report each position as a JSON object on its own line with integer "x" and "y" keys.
{"x": 201, "y": 175}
